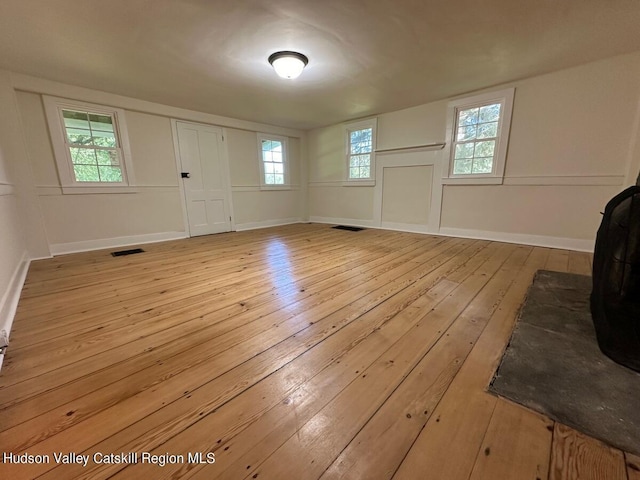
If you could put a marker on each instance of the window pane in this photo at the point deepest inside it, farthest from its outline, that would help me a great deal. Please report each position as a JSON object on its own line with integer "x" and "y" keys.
{"x": 103, "y": 123}
{"x": 488, "y": 130}
{"x": 107, "y": 157}
{"x": 364, "y": 172}
{"x": 268, "y": 168}
{"x": 278, "y": 179}
{"x": 278, "y": 168}
{"x": 361, "y": 136}
{"x": 104, "y": 139}
{"x": 84, "y": 156}
{"x": 110, "y": 174}
{"x": 276, "y": 156}
{"x": 489, "y": 113}
{"x": 269, "y": 179}
{"x": 86, "y": 173}
{"x": 485, "y": 149}
{"x": 79, "y": 136}
{"x": 361, "y": 147}
{"x": 464, "y": 150}
{"x": 468, "y": 117}
{"x": 360, "y": 161}
{"x": 482, "y": 165}
{"x": 462, "y": 166}
{"x": 354, "y": 172}
{"x": 271, "y": 145}
{"x": 75, "y": 119}
{"x": 466, "y": 133}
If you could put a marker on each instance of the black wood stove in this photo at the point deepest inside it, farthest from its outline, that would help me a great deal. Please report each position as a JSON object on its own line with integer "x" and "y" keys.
{"x": 615, "y": 299}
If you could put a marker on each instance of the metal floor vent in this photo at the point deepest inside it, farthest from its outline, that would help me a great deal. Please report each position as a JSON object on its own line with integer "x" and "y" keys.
{"x": 347, "y": 227}
{"x": 127, "y": 252}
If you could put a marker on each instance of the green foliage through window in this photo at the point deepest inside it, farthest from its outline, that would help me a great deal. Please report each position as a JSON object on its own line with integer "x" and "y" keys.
{"x": 360, "y": 149}
{"x": 475, "y": 139}
{"x": 93, "y": 146}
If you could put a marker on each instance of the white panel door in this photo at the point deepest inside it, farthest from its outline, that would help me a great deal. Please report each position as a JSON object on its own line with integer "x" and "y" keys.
{"x": 205, "y": 178}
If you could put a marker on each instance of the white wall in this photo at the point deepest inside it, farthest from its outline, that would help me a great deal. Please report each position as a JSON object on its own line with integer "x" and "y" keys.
{"x": 255, "y": 207}
{"x": 76, "y": 222}
{"x": 14, "y": 253}
{"x": 572, "y": 147}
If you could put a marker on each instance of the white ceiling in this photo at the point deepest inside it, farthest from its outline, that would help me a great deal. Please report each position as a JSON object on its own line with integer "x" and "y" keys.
{"x": 365, "y": 56}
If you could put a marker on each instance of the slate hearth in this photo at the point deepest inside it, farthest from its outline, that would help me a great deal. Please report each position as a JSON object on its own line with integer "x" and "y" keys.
{"x": 553, "y": 365}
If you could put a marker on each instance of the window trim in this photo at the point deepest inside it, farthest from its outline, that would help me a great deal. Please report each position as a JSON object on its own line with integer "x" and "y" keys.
{"x": 285, "y": 161}
{"x": 496, "y": 177}
{"x": 348, "y": 128}
{"x": 53, "y": 110}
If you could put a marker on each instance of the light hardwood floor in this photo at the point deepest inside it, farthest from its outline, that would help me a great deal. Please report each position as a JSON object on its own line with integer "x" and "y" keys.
{"x": 297, "y": 352}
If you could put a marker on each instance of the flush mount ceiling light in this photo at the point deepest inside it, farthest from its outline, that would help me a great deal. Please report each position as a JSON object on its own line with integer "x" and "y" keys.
{"x": 288, "y": 64}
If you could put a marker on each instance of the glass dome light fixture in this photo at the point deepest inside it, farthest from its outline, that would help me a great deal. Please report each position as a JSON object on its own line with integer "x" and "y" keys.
{"x": 288, "y": 64}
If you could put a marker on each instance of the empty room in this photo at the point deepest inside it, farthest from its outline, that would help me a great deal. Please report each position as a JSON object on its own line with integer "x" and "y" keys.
{"x": 301, "y": 240}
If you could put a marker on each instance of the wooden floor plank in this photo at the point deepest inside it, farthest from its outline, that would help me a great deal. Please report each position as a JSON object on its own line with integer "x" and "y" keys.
{"x": 633, "y": 466}
{"x": 462, "y": 416}
{"x": 190, "y": 411}
{"x": 221, "y": 343}
{"x": 317, "y": 442}
{"x": 574, "y": 455}
{"x": 517, "y": 445}
{"x": 400, "y": 419}
{"x": 558, "y": 261}
{"x": 580, "y": 263}
{"x": 292, "y": 352}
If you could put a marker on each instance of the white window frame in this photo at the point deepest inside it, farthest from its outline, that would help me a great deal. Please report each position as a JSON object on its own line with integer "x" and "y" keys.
{"x": 53, "y": 109}
{"x": 351, "y": 127}
{"x": 496, "y": 177}
{"x": 285, "y": 161}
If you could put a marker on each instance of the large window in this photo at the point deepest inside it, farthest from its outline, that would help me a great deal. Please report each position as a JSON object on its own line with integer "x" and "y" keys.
{"x": 90, "y": 144}
{"x": 478, "y": 133}
{"x": 360, "y": 148}
{"x": 273, "y": 161}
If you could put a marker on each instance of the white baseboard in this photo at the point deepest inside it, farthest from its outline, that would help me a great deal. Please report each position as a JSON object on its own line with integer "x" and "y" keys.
{"x": 241, "y": 227}
{"x": 353, "y": 222}
{"x": 576, "y": 244}
{"x": 407, "y": 227}
{"x": 88, "y": 245}
{"x": 9, "y": 301}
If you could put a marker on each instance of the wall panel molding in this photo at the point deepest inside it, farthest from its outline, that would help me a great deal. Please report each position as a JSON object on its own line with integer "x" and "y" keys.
{"x": 53, "y": 190}
{"x": 258, "y": 188}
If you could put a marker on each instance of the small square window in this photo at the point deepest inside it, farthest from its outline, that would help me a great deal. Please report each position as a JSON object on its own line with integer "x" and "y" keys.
{"x": 478, "y": 132}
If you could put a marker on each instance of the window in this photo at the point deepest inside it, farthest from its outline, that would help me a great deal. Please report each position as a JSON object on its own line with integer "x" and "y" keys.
{"x": 90, "y": 145}
{"x": 273, "y": 161}
{"x": 478, "y": 133}
{"x": 360, "y": 147}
